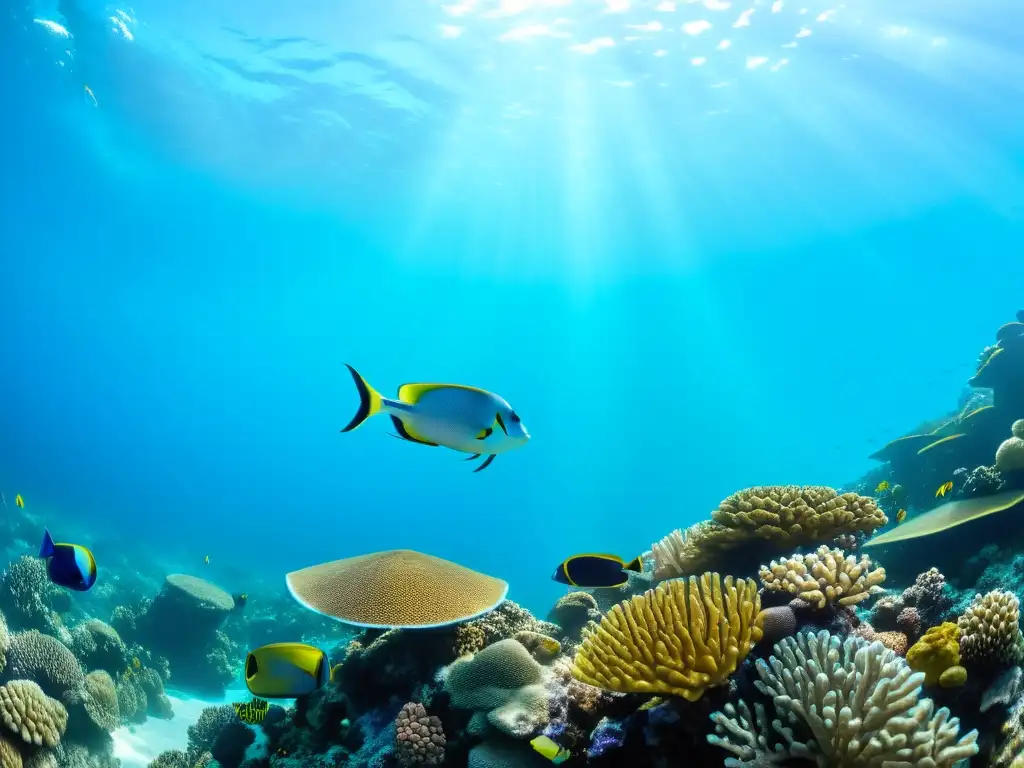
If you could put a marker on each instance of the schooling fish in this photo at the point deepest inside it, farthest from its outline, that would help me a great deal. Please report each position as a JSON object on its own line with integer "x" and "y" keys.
{"x": 550, "y": 749}
{"x": 461, "y": 418}
{"x": 592, "y": 571}
{"x": 69, "y": 565}
{"x": 252, "y": 712}
{"x": 286, "y": 670}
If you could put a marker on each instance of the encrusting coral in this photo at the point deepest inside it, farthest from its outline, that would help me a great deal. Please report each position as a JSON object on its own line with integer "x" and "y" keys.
{"x": 989, "y": 630}
{"x": 772, "y": 517}
{"x": 826, "y": 576}
{"x": 841, "y": 703}
{"x": 679, "y": 639}
{"x": 936, "y": 651}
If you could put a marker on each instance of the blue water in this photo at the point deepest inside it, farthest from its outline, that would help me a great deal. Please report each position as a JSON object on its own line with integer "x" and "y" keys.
{"x": 689, "y": 273}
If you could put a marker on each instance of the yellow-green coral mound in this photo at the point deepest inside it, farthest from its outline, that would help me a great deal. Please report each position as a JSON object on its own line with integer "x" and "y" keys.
{"x": 827, "y": 576}
{"x": 678, "y": 639}
{"x": 1010, "y": 454}
{"x": 768, "y": 517}
{"x": 397, "y": 588}
{"x": 30, "y": 713}
{"x": 937, "y": 651}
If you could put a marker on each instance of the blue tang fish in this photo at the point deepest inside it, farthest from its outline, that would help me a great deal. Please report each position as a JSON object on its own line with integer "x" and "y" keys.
{"x": 69, "y": 565}
{"x": 458, "y": 417}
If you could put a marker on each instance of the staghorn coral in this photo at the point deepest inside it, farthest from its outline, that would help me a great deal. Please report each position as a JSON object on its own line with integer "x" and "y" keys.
{"x": 419, "y": 737}
{"x": 680, "y": 638}
{"x": 841, "y": 703}
{"x": 30, "y": 713}
{"x": 825, "y": 577}
{"x": 766, "y": 517}
{"x": 44, "y": 660}
{"x": 505, "y": 682}
{"x": 989, "y": 630}
{"x": 936, "y": 651}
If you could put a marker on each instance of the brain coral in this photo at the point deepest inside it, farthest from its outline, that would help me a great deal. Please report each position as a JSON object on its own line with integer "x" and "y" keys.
{"x": 680, "y": 638}
{"x": 990, "y": 630}
{"x": 766, "y": 517}
{"x": 397, "y": 588}
{"x": 44, "y": 660}
{"x": 27, "y": 711}
{"x": 824, "y": 577}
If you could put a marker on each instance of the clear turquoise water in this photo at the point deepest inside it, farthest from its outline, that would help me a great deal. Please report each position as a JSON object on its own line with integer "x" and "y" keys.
{"x": 687, "y": 276}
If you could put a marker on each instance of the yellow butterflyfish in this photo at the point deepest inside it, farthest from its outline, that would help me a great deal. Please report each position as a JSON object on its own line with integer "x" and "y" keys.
{"x": 945, "y": 488}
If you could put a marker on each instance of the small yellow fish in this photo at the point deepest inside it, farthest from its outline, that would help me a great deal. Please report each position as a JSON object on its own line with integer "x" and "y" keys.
{"x": 136, "y": 663}
{"x": 901, "y": 516}
{"x": 206, "y": 559}
{"x": 19, "y": 502}
{"x": 945, "y": 488}
{"x": 252, "y": 712}
{"x": 882, "y": 487}
{"x": 550, "y": 749}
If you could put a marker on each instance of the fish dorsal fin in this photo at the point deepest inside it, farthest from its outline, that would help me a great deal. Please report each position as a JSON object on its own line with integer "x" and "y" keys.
{"x": 604, "y": 555}
{"x": 411, "y": 393}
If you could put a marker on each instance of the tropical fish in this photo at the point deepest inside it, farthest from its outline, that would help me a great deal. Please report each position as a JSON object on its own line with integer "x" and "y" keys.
{"x": 252, "y": 712}
{"x": 882, "y": 487}
{"x": 592, "y": 571}
{"x": 461, "y": 418}
{"x": 901, "y": 516}
{"x": 945, "y": 488}
{"x": 206, "y": 560}
{"x": 286, "y": 670}
{"x": 69, "y": 565}
{"x": 550, "y": 749}
{"x": 19, "y": 502}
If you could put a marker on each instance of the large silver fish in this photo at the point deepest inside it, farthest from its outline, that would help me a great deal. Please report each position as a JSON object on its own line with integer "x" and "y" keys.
{"x": 462, "y": 418}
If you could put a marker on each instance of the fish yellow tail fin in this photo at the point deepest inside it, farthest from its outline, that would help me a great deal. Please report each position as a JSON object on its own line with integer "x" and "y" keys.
{"x": 369, "y": 400}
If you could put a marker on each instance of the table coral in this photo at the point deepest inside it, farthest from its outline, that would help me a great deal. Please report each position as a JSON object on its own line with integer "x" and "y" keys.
{"x": 680, "y": 638}
{"x": 824, "y": 577}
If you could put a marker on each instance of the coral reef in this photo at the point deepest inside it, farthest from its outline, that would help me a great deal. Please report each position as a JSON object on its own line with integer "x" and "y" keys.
{"x": 756, "y": 520}
{"x": 419, "y": 737}
{"x": 826, "y": 576}
{"x": 680, "y": 639}
{"x": 936, "y": 651}
{"x": 990, "y": 630}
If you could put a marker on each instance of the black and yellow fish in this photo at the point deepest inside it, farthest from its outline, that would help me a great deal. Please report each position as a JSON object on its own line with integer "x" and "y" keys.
{"x": 901, "y": 516}
{"x": 592, "y": 571}
{"x": 252, "y": 712}
{"x": 945, "y": 488}
{"x": 19, "y": 502}
{"x": 550, "y": 749}
{"x": 286, "y": 670}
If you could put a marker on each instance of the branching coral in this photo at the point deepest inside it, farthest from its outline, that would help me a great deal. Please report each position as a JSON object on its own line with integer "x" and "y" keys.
{"x": 989, "y": 630}
{"x": 29, "y": 712}
{"x": 826, "y": 576}
{"x": 773, "y": 517}
{"x": 679, "y": 638}
{"x": 419, "y": 737}
{"x": 842, "y": 704}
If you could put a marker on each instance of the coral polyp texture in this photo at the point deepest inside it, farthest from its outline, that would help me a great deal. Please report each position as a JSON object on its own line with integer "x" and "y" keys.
{"x": 773, "y": 517}
{"x": 824, "y": 577}
{"x": 937, "y": 651}
{"x": 989, "y": 630}
{"x": 419, "y": 737}
{"x": 678, "y": 639}
{"x": 1010, "y": 454}
{"x": 840, "y": 703}
{"x": 30, "y": 713}
{"x": 397, "y": 588}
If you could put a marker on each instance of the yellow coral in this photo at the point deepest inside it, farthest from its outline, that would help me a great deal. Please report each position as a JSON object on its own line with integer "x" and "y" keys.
{"x": 824, "y": 577}
{"x": 29, "y": 712}
{"x": 10, "y": 757}
{"x": 678, "y": 639}
{"x": 954, "y": 677}
{"x": 772, "y": 516}
{"x": 990, "y": 630}
{"x": 937, "y": 651}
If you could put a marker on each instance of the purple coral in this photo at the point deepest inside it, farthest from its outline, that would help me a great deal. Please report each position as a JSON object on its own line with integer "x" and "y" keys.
{"x": 419, "y": 737}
